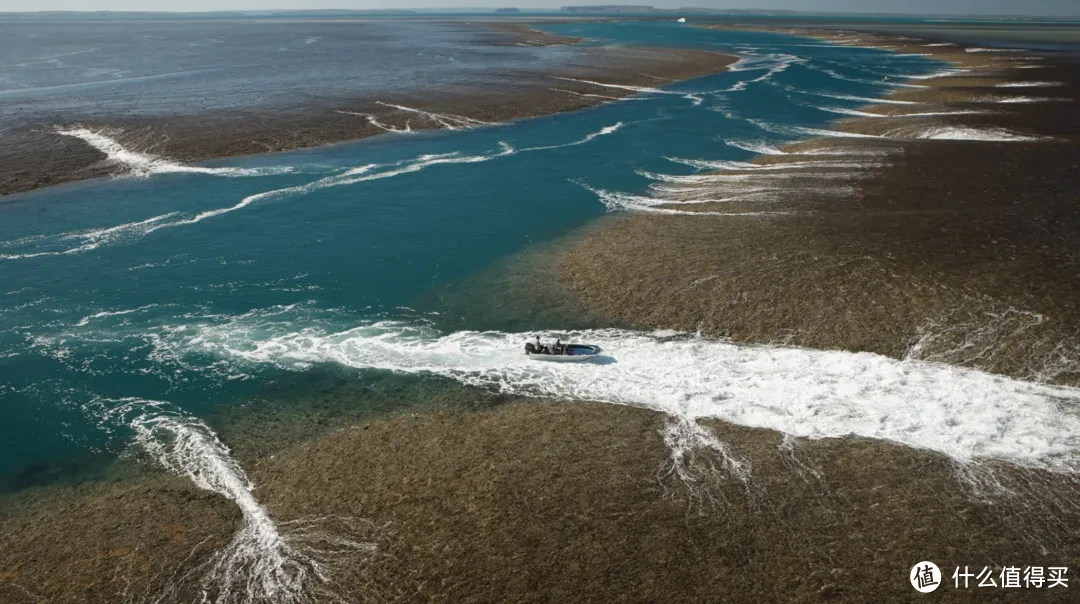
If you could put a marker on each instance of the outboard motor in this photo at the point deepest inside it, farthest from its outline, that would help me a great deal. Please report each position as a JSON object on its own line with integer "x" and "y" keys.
{"x": 530, "y": 348}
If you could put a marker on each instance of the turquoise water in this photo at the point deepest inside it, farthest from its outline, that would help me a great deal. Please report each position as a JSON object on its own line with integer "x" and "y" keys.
{"x": 120, "y": 289}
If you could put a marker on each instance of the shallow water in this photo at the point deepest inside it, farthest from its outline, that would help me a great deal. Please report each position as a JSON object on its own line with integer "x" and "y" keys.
{"x": 122, "y": 289}
{"x": 79, "y": 69}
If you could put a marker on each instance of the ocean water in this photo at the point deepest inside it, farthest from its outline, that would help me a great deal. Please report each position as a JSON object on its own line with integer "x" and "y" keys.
{"x": 80, "y": 69}
{"x": 136, "y": 311}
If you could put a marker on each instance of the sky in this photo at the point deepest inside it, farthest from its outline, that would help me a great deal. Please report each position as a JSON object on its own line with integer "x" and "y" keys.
{"x": 1015, "y": 7}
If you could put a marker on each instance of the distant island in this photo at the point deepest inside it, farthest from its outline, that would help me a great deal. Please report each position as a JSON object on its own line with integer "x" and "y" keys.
{"x": 608, "y": 8}
{"x": 510, "y": 9}
{"x": 641, "y": 8}
{"x": 734, "y": 11}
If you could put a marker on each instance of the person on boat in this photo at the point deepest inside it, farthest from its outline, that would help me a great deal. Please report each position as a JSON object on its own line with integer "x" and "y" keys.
{"x": 558, "y": 347}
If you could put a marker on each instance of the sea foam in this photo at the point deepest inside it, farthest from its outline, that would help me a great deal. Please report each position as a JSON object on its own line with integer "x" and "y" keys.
{"x": 266, "y": 561}
{"x": 965, "y": 414}
{"x": 145, "y": 164}
{"x": 962, "y": 133}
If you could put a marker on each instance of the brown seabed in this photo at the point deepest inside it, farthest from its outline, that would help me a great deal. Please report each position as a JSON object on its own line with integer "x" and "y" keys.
{"x": 886, "y": 237}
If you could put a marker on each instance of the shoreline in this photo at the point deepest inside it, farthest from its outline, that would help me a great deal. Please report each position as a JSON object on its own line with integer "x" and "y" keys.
{"x": 38, "y": 157}
{"x": 851, "y": 255}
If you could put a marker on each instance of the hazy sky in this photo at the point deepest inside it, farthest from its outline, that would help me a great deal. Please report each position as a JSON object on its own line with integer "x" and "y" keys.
{"x": 1021, "y": 7}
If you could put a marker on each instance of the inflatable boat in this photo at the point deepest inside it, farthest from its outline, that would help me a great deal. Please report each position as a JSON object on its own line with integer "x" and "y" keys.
{"x": 562, "y": 353}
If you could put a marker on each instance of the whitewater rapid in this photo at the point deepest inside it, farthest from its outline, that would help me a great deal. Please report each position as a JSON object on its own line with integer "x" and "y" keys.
{"x": 965, "y": 414}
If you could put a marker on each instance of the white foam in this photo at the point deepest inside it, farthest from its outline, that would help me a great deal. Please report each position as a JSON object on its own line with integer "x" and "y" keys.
{"x": 861, "y": 99}
{"x": 587, "y": 95}
{"x": 374, "y": 121}
{"x": 1030, "y": 84}
{"x": 1013, "y": 99}
{"x": 773, "y": 64}
{"x": 963, "y": 133}
{"x": 937, "y": 74}
{"x": 606, "y": 130}
{"x": 260, "y": 564}
{"x": 765, "y": 148}
{"x": 978, "y": 50}
{"x": 870, "y": 82}
{"x": 708, "y": 164}
{"x": 444, "y": 120}
{"x": 693, "y": 98}
{"x": 845, "y": 111}
{"x": 962, "y": 413}
{"x": 145, "y": 164}
{"x": 615, "y": 201}
{"x": 644, "y": 89}
{"x": 939, "y": 113}
{"x": 760, "y": 147}
{"x": 95, "y": 238}
{"x": 90, "y": 240}
{"x": 833, "y": 133}
{"x": 116, "y": 313}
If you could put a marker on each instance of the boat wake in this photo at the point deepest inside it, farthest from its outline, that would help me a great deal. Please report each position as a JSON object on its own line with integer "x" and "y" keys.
{"x": 964, "y": 414}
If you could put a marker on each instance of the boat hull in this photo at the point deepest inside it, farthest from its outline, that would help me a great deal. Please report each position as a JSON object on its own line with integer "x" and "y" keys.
{"x": 562, "y": 358}
{"x": 578, "y": 353}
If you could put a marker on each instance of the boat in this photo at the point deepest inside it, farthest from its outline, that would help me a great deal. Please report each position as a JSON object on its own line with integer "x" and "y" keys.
{"x": 567, "y": 353}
